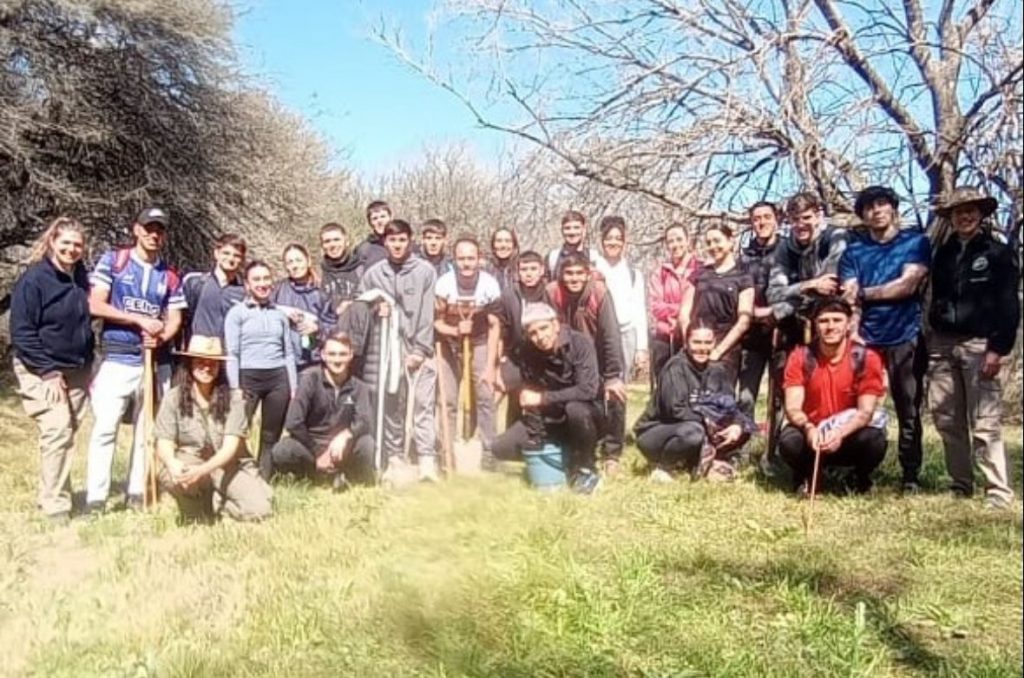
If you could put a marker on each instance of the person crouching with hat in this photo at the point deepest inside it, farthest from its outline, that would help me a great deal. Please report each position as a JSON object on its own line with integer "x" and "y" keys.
{"x": 200, "y": 440}
{"x": 559, "y": 398}
{"x": 973, "y": 317}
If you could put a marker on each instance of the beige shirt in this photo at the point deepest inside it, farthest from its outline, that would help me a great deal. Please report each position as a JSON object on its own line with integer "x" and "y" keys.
{"x": 200, "y": 434}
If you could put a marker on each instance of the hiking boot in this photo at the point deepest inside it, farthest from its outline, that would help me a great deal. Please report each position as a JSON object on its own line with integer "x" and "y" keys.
{"x": 134, "y": 503}
{"x": 586, "y": 482}
{"x": 611, "y": 468}
{"x": 660, "y": 476}
{"x": 910, "y": 488}
{"x": 95, "y": 508}
{"x": 862, "y": 485}
{"x": 428, "y": 470}
{"x": 803, "y": 490}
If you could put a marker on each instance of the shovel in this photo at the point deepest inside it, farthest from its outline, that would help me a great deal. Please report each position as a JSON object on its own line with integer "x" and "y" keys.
{"x": 446, "y": 434}
{"x": 468, "y": 452}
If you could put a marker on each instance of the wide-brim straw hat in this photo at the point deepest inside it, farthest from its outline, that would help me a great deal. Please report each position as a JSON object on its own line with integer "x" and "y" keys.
{"x": 208, "y": 348}
{"x": 967, "y": 195}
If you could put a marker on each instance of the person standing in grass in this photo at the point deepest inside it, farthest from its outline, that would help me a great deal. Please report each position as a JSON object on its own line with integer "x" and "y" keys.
{"x": 139, "y": 299}
{"x": 408, "y": 282}
{"x": 209, "y": 295}
{"x": 832, "y": 391}
{"x": 466, "y": 305}
{"x": 306, "y": 304}
{"x": 672, "y": 432}
{"x": 583, "y": 304}
{"x": 372, "y": 249}
{"x": 340, "y": 268}
{"x": 724, "y": 299}
{"x": 626, "y": 285}
{"x": 756, "y": 257}
{"x": 527, "y": 289}
{"x": 670, "y": 297}
{"x": 559, "y": 398}
{"x": 329, "y": 421}
{"x": 51, "y": 332}
{"x": 260, "y": 361}
{"x": 502, "y": 263}
{"x": 973, "y": 317}
{"x": 200, "y": 433}
{"x": 883, "y": 273}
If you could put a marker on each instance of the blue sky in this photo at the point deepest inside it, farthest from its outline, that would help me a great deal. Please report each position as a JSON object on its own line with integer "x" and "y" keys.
{"x": 318, "y": 58}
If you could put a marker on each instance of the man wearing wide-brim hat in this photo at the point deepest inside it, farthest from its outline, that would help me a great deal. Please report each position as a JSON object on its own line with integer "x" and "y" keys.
{"x": 973, "y": 316}
{"x": 200, "y": 436}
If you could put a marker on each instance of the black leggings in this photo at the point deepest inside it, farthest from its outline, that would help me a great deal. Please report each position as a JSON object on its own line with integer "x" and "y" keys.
{"x": 269, "y": 387}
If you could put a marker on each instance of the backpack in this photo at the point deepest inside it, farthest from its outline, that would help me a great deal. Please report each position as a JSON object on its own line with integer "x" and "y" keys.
{"x": 858, "y": 352}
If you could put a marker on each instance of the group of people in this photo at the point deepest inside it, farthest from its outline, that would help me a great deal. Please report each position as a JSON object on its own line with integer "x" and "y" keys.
{"x": 355, "y": 364}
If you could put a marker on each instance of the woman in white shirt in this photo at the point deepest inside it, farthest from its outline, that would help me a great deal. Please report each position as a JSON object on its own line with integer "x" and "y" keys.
{"x": 626, "y": 285}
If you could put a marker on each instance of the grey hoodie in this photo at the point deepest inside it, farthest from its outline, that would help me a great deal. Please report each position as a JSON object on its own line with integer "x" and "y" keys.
{"x": 411, "y": 285}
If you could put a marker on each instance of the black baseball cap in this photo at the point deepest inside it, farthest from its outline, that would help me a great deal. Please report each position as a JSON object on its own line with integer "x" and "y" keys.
{"x": 153, "y": 215}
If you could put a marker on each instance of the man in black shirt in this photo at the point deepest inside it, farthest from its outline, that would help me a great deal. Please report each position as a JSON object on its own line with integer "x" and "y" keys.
{"x": 973, "y": 316}
{"x": 340, "y": 269}
{"x": 559, "y": 398}
{"x": 328, "y": 421}
{"x": 372, "y": 250}
{"x": 210, "y": 294}
{"x": 528, "y": 288}
{"x": 756, "y": 257}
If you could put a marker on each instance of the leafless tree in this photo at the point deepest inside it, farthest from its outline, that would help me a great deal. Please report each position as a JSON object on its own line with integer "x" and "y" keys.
{"x": 108, "y": 106}
{"x": 708, "y": 105}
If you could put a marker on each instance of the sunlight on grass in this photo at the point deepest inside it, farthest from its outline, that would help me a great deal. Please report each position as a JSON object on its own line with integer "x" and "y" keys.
{"x": 482, "y": 577}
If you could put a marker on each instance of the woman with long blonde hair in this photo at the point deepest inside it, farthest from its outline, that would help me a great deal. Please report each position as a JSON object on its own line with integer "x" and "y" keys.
{"x": 53, "y": 351}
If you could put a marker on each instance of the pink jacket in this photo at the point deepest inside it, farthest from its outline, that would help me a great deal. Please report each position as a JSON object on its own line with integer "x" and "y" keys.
{"x": 668, "y": 291}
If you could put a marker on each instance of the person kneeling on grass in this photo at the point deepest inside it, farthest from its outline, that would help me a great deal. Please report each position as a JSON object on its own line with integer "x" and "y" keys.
{"x": 328, "y": 421}
{"x": 200, "y": 439}
{"x": 559, "y": 398}
{"x": 692, "y": 421}
{"x": 832, "y": 390}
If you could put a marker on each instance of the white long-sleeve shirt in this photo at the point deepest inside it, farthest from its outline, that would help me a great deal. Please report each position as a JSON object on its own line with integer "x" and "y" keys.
{"x": 629, "y": 295}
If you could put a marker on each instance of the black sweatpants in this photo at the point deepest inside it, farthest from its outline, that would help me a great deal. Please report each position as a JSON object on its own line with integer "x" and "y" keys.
{"x": 863, "y": 450}
{"x": 573, "y": 425}
{"x": 673, "y": 445}
{"x": 753, "y": 361}
{"x": 661, "y": 351}
{"x": 291, "y": 456}
{"x": 269, "y": 387}
{"x": 905, "y": 365}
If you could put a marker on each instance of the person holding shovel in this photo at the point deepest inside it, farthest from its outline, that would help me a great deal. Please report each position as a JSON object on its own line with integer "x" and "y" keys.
{"x": 200, "y": 440}
{"x": 467, "y": 307}
{"x": 560, "y": 397}
{"x": 53, "y": 342}
{"x": 140, "y": 301}
{"x": 832, "y": 390}
{"x": 409, "y": 282}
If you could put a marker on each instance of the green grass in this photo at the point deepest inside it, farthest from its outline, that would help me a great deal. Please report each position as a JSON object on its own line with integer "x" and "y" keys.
{"x": 482, "y": 577}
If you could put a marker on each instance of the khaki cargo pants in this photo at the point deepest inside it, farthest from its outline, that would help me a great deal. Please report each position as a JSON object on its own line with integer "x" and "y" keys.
{"x": 58, "y": 425}
{"x": 236, "y": 489}
{"x": 967, "y": 408}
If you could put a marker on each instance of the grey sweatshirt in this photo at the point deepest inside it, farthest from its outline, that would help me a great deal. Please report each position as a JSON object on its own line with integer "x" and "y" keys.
{"x": 411, "y": 285}
{"x": 257, "y": 337}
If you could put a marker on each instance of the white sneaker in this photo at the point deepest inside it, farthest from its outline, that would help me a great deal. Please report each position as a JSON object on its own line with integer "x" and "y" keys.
{"x": 661, "y": 477}
{"x": 398, "y": 474}
{"x": 428, "y": 469}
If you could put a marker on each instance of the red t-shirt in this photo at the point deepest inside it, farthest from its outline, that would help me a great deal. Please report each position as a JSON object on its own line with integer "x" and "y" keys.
{"x": 831, "y": 388}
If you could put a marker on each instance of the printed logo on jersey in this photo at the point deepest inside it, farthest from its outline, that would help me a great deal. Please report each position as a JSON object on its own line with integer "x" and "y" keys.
{"x": 137, "y": 305}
